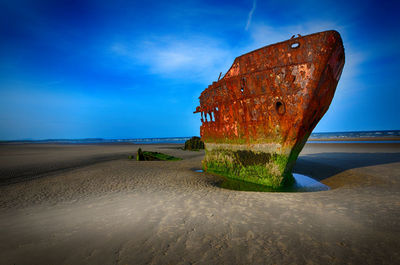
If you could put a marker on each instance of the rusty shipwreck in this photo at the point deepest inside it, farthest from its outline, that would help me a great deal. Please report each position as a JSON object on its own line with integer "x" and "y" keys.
{"x": 257, "y": 118}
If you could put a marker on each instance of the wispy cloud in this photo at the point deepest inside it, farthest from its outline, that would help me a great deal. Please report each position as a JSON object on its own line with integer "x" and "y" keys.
{"x": 198, "y": 58}
{"x": 251, "y": 15}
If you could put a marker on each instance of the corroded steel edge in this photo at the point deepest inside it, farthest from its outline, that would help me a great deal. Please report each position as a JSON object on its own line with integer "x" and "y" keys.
{"x": 269, "y": 101}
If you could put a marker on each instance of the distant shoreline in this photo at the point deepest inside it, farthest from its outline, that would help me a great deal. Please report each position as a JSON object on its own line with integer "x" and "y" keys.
{"x": 356, "y": 139}
{"x": 354, "y": 136}
{"x": 310, "y": 140}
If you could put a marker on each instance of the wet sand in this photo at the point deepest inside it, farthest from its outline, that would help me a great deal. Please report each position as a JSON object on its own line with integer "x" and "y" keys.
{"x": 89, "y": 204}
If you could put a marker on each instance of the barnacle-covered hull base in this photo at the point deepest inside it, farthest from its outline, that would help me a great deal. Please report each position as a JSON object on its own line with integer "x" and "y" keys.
{"x": 257, "y": 118}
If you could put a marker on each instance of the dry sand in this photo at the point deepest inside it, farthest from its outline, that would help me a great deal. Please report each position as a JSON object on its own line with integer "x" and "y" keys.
{"x": 89, "y": 204}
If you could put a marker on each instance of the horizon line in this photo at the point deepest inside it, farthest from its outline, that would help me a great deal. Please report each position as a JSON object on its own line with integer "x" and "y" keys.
{"x": 162, "y": 137}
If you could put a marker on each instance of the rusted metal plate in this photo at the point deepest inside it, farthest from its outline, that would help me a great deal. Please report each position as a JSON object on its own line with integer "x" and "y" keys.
{"x": 271, "y": 99}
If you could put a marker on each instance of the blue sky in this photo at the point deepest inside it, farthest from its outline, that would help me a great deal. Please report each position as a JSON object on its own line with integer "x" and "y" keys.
{"x": 133, "y": 69}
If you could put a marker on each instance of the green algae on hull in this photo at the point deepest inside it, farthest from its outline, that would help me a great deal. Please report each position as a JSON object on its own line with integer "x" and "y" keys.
{"x": 262, "y": 168}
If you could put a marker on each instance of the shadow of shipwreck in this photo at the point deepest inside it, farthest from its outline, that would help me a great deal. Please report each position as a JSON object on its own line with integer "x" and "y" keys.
{"x": 324, "y": 165}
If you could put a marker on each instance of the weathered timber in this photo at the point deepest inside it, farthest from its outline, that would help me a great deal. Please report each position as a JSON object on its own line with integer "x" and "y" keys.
{"x": 154, "y": 156}
{"x": 257, "y": 118}
{"x": 194, "y": 143}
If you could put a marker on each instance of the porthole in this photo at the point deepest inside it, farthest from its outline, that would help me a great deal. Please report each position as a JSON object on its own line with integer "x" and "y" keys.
{"x": 295, "y": 45}
{"x": 280, "y": 107}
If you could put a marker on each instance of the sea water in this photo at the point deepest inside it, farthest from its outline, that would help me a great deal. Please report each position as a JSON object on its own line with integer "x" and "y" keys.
{"x": 302, "y": 184}
{"x": 338, "y": 137}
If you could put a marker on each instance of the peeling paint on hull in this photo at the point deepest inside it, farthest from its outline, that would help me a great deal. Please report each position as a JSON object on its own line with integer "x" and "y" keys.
{"x": 257, "y": 118}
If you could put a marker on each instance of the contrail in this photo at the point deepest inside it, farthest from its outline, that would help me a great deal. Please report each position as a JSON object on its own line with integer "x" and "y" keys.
{"x": 251, "y": 14}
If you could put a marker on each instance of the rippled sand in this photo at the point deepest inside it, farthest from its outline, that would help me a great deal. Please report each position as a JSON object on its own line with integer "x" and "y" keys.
{"x": 79, "y": 204}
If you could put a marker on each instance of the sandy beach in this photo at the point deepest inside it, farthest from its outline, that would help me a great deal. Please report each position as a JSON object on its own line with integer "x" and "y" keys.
{"x": 90, "y": 204}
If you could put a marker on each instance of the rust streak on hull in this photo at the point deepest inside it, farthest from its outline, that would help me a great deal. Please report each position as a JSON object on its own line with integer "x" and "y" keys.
{"x": 257, "y": 118}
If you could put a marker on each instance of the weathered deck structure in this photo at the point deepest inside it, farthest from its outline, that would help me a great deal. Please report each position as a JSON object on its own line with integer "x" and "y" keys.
{"x": 257, "y": 118}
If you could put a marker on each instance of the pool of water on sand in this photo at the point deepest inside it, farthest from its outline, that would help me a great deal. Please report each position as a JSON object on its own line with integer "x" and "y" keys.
{"x": 302, "y": 184}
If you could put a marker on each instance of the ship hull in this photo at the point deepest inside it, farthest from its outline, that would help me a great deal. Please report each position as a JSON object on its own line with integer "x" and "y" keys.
{"x": 257, "y": 118}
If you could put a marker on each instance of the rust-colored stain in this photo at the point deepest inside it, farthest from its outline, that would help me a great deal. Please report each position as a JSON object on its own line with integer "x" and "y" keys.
{"x": 274, "y": 95}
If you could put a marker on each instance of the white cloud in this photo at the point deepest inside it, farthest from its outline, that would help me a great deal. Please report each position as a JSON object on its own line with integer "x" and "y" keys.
{"x": 197, "y": 58}
{"x": 251, "y": 15}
